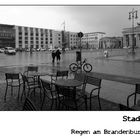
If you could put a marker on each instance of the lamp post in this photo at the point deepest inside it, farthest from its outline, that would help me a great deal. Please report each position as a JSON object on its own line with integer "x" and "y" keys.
{"x": 133, "y": 16}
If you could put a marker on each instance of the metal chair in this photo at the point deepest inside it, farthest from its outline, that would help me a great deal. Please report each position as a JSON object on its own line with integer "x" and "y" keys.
{"x": 48, "y": 92}
{"x": 80, "y": 77}
{"x": 28, "y": 105}
{"x": 60, "y": 74}
{"x": 30, "y": 70}
{"x": 13, "y": 80}
{"x": 137, "y": 91}
{"x": 96, "y": 83}
{"x": 29, "y": 85}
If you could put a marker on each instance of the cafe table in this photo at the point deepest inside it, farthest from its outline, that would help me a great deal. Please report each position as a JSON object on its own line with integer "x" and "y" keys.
{"x": 68, "y": 83}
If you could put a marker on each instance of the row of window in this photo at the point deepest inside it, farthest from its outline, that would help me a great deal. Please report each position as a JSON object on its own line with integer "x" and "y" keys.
{"x": 36, "y": 34}
{"x": 26, "y": 42}
{"x": 73, "y": 42}
{"x": 6, "y": 35}
{"x": 31, "y": 29}
{"x": 74, "y": 39}
{"x": 31, "y": 38}
{"x": 74, "y": 35}
{"x": 32, "y": 46}
{"x": 90, "y": 38}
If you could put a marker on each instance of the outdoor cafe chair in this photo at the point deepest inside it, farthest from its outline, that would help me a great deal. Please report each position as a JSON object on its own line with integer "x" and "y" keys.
{"x": 31, "y": 86}
{"x": 13, "y": 80}
{"x": 48, "y": 92}
{"x": 80, "y": 77}
{"x": 30, "y": 70}
{"x": 63, "y": 74}
{"x": 137, "y": 92}
{"x": 28, "y": 105}
{"x": 94, "y": 92}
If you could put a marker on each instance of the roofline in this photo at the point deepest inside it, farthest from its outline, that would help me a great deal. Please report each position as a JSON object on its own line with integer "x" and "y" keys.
{"x": 95, "y": 32}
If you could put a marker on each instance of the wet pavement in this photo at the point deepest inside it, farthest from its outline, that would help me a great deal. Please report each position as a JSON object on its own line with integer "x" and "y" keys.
{"x": 118, "y": 63}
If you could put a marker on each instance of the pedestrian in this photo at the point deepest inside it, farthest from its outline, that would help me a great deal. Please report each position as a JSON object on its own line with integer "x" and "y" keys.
{"x": 106, "y": 54}
{"x": 58, "y": 55}
{"x": 53, "y": 56}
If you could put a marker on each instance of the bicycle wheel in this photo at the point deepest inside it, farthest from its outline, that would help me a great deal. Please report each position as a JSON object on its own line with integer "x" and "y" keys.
{"x": 73, "y": 67}
{"x": 87, "y": 67}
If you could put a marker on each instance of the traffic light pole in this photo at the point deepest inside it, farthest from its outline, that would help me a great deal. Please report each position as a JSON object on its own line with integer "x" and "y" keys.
{"x": 80, "y": 35}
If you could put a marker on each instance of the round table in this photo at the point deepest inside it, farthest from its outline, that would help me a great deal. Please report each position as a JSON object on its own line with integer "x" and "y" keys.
{"x": 70, "y": 92}
{"x": 68, "y": 82}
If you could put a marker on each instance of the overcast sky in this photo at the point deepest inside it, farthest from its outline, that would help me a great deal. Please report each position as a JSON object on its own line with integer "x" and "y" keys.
{"x": 108, "y": 19}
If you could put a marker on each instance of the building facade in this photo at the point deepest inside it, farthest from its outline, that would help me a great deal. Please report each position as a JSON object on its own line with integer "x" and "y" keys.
{"x": 110, "y": 42}
{"x": 29, "y": 37}
{"x": 56, "y": 39}
{"x": 73, "y": 40}
{"x": 131, "y": 37}
{"x": 7, "y": 36}
{"x": 23, "y": 38}
{"x": 91, "y": 40}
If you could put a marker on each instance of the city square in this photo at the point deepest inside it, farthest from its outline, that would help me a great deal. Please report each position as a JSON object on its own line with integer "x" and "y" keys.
{"x": 112, "y": 57}
{"x": 69, "y": 70}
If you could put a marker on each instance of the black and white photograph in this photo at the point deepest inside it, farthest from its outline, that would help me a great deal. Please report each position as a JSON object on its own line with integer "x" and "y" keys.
{"x": 69, "y": 71}
{"x": 69, "y": 57}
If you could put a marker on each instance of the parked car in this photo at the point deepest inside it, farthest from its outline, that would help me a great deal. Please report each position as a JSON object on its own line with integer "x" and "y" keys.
{"x": 38, "y": 49}
{"x": 42, "y": 49}
{"x": 52, "y": 49}
{"x": 10, "y": 50}
{"x": 2, "y": 50}
{"x": 67, "y": 49}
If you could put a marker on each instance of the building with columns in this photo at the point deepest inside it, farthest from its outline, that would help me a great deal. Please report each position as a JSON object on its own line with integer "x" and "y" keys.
{"x": 128, "y": 34}
{"x": 29, "y": 37}
{"x": 110, "y": 43}
{"x": 23, "y": 38}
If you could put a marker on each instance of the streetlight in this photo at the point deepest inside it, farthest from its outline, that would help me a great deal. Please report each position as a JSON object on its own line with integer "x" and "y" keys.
{"x": 133, "y": 15}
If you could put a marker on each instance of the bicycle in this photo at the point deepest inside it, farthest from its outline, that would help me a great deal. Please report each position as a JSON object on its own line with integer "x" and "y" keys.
{"x": 84, "y": 65}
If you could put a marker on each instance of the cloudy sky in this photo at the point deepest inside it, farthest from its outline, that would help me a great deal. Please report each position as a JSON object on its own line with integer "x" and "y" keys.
{"x": 87, "y": 18}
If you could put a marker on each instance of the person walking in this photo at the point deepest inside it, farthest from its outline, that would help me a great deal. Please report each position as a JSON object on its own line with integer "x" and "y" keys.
{"x": 53, "y": 56}
{"x": 58, "y": 55}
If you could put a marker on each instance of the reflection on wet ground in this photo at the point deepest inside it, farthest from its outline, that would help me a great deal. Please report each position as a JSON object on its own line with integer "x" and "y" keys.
{"x": 119, "y": 62}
